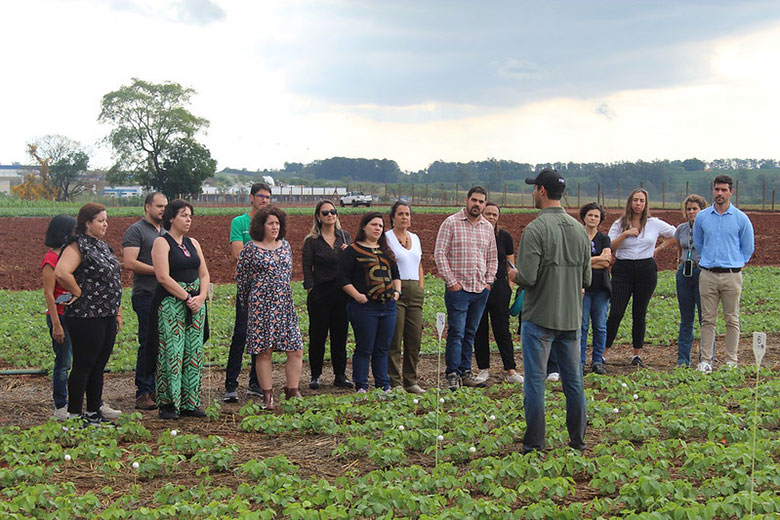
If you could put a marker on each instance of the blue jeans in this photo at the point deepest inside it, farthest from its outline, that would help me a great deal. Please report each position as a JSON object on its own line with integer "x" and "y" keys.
{"x": 144, "y": 381}
{"x": 373, "y": 325}
{"x": 464, "y": 312}
{"x": 63, "y": 355}
{"x": 594, "y": 312}
{"x": 538, "y": 342}
{"x": 689, "y": 302}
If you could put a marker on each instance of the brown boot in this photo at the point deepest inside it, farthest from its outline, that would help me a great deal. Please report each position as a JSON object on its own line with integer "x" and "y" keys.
{"x": 289, "y": 393}
{"x": 268, "y": 399}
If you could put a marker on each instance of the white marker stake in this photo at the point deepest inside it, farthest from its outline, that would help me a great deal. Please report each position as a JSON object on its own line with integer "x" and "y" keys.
{"x": 759, "y": 349}
{"x": 441, "y": 318}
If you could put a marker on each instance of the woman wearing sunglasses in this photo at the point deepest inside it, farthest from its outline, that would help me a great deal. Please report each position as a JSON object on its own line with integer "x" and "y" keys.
{"x": 326, "y": 302}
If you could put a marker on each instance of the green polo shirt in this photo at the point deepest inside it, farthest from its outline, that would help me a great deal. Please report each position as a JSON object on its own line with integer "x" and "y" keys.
{"x": 239, "y": 229}
{"x": 553, "y": 262}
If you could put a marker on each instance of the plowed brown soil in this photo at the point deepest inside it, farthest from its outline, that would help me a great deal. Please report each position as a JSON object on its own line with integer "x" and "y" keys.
{"x": 23, "y": 249}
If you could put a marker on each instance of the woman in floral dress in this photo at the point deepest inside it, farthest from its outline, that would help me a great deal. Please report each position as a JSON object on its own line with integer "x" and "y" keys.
{"x": 263, "y": 277}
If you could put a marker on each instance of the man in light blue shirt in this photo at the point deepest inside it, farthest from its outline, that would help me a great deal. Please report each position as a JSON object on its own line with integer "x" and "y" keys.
{"x": 724, "y": 236}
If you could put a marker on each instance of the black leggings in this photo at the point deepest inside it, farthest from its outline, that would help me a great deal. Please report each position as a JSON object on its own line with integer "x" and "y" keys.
{"x": 93, "y": 341}
{"x": 636, "y": 278}
{"x": 497, "y": 309}
{"x": 327, "y": 305}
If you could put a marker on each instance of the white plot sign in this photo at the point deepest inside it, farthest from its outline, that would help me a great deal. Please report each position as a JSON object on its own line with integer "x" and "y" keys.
{"x": 440, "y": 320}
{"x": 759, "y": 347}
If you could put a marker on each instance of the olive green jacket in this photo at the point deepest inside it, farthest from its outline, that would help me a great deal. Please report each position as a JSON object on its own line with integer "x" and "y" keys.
{"x": 553, "y": 263}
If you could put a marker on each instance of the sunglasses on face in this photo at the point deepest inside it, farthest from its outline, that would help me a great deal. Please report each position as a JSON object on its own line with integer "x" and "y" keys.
{"x": 326, "y": 212}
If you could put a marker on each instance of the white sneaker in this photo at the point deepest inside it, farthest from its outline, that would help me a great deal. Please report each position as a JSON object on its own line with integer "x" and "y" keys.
{"x": 61, "y": 414}
{"x": 514, "y": 378}
{"x": 731, "y": 364}
{"x": 482, "y": 376}
{"x": 553, "y": 376}
{"x": 109, "y": 413}
{"x": 705, "y": 367}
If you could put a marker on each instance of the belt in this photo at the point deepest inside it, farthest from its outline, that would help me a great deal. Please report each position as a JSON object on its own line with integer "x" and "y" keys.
{"x": 722, "y": 269}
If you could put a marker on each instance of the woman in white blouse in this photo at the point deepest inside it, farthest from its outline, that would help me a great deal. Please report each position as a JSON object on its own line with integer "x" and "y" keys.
{"x": 634, "y": 236}
{"x": 408, "y": 324}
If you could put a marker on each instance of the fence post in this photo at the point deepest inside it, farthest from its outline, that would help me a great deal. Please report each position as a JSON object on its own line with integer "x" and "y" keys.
{"x": 763, "y": 194}
{"x": 687, "y": 192}
{"x": 457, "y": 191}
{"x": 503, "y": 201}
{"x": 441, "y": 201}
{"x": 618, "y": 195}
{"x": 773, "y": 200}
{"x": 663, "y": 195}
{"x": 579, "y": 205}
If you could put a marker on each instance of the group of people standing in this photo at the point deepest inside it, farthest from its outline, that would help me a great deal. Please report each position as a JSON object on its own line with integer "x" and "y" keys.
{"x": 573, "y": 277}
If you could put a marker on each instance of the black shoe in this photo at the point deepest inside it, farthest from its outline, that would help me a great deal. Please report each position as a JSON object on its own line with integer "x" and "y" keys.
{"x": 314, "y": 384}
{"x": 343, "y": 382}
{"x": 197, "y": 412}
{"x": 96, "y": 419}
{"x": 599, "y": 369}
{"x": 637, "y": 362}
{"x": 168, "y": 412}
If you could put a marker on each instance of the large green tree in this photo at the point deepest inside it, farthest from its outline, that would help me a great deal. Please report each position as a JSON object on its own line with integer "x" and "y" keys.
{"x": 153, "y": 132}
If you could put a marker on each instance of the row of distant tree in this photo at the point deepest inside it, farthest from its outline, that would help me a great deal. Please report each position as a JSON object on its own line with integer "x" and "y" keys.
{"x": 153, "y": 137}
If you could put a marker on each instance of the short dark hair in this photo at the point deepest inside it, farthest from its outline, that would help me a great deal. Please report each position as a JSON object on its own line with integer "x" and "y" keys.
{"x": 257, "y": 226}
{"x": 476, "y": 189}
{"x": 395, "y": 207}
{"x": 172, "y": 209}
{"x": 60, "y": 229}
{"x": 87, "y": 213}
{"x": 150, "y": 197}
{"x": 491, "y": 203}
{"x": 590, "y": 206}
{"x": 723, "y": 179}
{"x": 259, "y": 186}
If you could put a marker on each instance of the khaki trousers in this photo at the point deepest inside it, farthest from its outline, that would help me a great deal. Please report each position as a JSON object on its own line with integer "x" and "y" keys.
{"x": 715, "y": 288}
{"x": 408, "y": 328}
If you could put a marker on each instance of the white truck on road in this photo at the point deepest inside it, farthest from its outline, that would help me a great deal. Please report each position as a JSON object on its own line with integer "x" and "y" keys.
{"x": 355, "y": 199}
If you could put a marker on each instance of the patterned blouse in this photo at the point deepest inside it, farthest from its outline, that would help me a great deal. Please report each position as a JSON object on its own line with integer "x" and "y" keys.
{"x": 99, "y": 279}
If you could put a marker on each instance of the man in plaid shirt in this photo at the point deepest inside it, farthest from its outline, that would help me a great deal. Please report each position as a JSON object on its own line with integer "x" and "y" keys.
{"x": 467, "y": 259}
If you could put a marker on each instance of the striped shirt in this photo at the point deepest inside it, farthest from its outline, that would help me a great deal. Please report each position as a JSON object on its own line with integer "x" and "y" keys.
{"x": 465, "y": 252}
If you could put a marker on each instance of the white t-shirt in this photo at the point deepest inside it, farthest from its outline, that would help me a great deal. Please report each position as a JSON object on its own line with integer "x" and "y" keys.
{"x": 643, "y": 246}
{"x": 408, "y": 260}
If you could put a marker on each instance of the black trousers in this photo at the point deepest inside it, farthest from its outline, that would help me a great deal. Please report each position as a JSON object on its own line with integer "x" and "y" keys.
{"x": 93, "y": 341}
{"x": 327, "y": 306}
{"x": 236, "y": 353}
{"x": 637, "y": 279}
{"x": 497, "y": 312}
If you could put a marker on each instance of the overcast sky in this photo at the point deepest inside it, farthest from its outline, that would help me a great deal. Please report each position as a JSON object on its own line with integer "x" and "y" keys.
{"x": 414, "y": 81}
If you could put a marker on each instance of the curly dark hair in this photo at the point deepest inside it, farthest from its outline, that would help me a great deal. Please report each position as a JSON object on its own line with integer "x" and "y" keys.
{"x": 257, "y": 226}
{"x": 172, "y": 209}
{"x": 361, "y": 234}
{"x": 589, "y": 207}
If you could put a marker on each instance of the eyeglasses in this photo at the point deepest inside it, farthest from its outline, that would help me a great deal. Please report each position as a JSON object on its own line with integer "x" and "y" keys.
{"x": 261, "y": 196}
{"x": 326, "y": 212}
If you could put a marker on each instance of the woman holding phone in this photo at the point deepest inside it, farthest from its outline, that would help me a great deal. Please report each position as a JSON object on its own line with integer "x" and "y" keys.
{"x": 687, "y": 278}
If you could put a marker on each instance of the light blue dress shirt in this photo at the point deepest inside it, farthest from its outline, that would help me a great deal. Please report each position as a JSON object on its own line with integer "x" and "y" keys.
{"x": 725, "y": 240}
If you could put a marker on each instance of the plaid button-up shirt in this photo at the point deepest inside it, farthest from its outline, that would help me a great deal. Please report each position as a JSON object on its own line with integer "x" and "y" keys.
{"x": 465, "y": 252}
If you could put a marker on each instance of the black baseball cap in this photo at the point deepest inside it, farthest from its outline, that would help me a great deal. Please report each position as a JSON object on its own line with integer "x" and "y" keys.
{"x": 551, "y": 180}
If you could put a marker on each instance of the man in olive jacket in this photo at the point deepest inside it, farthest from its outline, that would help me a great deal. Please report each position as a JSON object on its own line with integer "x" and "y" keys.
{"x": 553, "y": 266}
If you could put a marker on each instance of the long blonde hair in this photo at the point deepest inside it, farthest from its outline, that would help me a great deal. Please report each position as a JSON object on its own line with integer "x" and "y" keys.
{"x": 628, "y": 214}
{"x": 316, "y": 228}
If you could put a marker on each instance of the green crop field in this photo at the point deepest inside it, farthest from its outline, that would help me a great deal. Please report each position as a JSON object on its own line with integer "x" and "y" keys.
{"x": 673, "y": 444}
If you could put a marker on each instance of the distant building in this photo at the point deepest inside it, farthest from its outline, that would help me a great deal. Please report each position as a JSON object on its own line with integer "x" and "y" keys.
{"x": 13, "y": 174}
{"x": 122, "y": 192}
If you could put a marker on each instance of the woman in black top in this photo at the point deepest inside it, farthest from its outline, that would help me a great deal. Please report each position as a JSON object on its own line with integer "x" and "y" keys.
{"x": 497, "y": 309}
{"x": 369, "y": 276}
{"x": 89, "y": 270}
{"x": 326, "y": 302}
{"x": 179, "y": 311}
{"x": 595, "y": 302}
